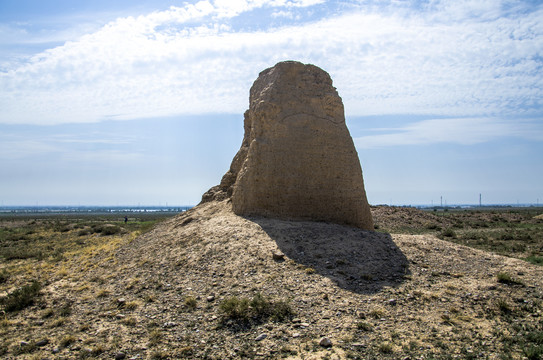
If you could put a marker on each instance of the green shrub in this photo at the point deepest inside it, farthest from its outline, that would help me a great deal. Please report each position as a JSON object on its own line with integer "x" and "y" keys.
{"x": 4, "y": 276}
{"x": 535, "y": 259}
{"x": 506, "y": 278}
{"x": 235, "y": 308}
{"x": 386, "y": 348}
{"x": 365, "y": 326}
{"x": 259, "y": 308}
{"x": 448, "y": 233}
{"x": 21, "y": 298}
{"x": 534, "y": 352}
{"x": 504, "y": 306}
{"x": 190, "y": 302}
{"x": 106, "y": 229}
{"x": 20, "y": 252}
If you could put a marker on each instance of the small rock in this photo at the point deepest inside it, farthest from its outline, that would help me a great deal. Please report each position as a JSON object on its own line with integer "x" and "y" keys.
{"x": 169, "y": 324}
{"x": 304, "y": 325}
{"x": 120, "y": 356}
{"x": 296, "y": 320}
{"x": 261, "y": 337}
{"x": 55, "y": 350}
{"x": 325, "y": 342}
{"x": 296, "y": 335}
{"x": 23, "y": 343}
{"x": 42, "y": 342}
{"x": 277, "y": 256}
{"x": 210, "y": 298}
{"x": 392, "y": 302}
{"x": 121, "y": 302}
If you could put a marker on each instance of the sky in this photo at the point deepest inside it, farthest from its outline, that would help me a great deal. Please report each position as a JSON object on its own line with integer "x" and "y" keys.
{"x": 140, "y": 102}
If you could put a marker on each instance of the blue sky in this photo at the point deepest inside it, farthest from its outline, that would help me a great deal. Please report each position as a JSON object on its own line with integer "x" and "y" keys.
{"x": 141, "y": 102}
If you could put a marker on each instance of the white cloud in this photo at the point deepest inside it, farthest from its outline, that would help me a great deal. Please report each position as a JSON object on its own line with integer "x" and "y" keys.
{"x": 464, "y": 131}
{"x": 452, "y": 59}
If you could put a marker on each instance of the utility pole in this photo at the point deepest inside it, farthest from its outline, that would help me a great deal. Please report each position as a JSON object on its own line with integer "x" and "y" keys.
{"x": 441, "y": 198}
{"x": 480, "y": 200}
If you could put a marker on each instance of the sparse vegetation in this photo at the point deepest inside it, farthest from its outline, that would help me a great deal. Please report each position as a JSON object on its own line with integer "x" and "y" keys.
{"x": 437, "y": 310}
{"x": 506, "y": 278}
{"x": 191, "y": 302}
{"x": 258, "y": 309}
{"x": 21, "y": 297}
{"x": 506, "y": 231}
{"x": 365, "y": 326}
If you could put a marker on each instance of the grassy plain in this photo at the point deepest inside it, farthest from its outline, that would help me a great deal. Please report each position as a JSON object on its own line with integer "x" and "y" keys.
{"x": 40, "y": 249}
{"x": 513, "y": 232}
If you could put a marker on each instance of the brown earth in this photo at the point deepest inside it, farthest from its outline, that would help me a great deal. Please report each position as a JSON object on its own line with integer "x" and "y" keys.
{"x": 374, "y": 295}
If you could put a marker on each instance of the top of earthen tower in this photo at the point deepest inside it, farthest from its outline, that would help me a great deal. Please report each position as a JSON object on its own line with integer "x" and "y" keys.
{"x": 297, "y": 159}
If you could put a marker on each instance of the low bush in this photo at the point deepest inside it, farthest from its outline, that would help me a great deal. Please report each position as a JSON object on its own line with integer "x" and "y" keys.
{"x": 506, "y": 278}
{"x": 191, "y": 302}
{"x": 448, "y": 233}
{"x": 106, "y": 229}
{"x": 27, "y": 252}
{"x": 535, "y": 259}
{"x": 21, "y": 298}
{"x": 258, "y": 309}
{"x": 4, "y": 276}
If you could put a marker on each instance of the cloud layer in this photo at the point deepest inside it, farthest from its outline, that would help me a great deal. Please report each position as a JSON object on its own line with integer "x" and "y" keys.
{"x": 448, "y": 58}
{"x": 462, "y": 131}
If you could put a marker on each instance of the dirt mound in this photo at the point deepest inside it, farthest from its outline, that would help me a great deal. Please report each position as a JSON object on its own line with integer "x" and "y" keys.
{"x": 370, "y": 293}
{"x": 399, "y": 218}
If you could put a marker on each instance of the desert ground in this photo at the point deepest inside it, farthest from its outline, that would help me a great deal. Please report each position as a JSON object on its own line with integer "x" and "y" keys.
{"x": 208, "y": 284}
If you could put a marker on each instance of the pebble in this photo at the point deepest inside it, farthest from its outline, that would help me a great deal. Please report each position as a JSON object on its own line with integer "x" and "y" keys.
{"x": 210, "y": 298}
{"x": 120, "y": 356}
{"x": 296, "y": 335}
{"x": 277, "y": 256}
{"x": 261, "y": 337}
{"x": 169, "y": 324}
{"x": 325, "y": 342}
{"x": 42, "y": 342}
{"x": 23, "y": 343}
